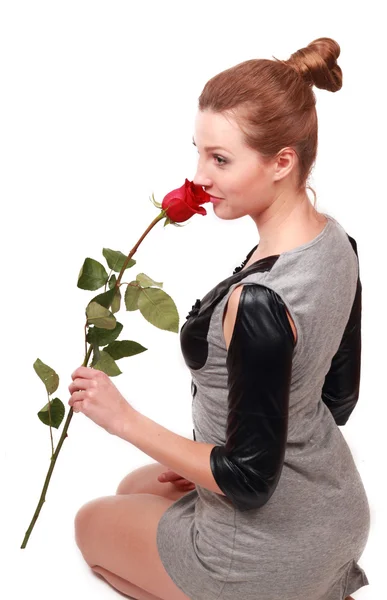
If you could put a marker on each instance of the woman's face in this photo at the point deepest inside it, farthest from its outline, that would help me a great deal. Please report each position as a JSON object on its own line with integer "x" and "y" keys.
{"x": 231, "y": 170}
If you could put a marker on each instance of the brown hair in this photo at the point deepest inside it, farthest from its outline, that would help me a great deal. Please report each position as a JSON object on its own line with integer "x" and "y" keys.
{"x": 273, "y": 102}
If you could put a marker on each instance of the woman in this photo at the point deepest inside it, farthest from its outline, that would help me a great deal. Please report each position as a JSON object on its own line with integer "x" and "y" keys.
{"x": 274, "y": 351}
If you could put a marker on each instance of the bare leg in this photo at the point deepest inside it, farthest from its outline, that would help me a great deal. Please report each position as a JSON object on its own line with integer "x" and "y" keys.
{"x": 120, "y": 584}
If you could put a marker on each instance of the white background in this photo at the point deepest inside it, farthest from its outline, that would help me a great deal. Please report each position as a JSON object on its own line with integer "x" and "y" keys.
{"x": 98, "y": 101}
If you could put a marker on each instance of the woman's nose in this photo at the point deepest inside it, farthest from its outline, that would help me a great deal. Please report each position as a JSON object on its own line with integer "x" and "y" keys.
{"x": 200, "y": 179}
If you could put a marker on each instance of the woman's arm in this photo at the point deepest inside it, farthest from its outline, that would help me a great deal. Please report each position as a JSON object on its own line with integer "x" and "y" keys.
{"x": 259, "y": 362}
{"x": 340, "y": 391}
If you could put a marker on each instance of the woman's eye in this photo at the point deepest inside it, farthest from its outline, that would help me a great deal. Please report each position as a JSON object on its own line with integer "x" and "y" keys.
{"x": 223, "y": 161}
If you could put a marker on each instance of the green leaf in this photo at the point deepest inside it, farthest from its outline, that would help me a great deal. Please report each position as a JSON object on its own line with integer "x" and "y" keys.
{"x": 159, "y": 309}
{"x": 100, "y": 316}
{"x": 112, "y": 281}
{"x": 146, "y": 281}
{"x": 47, "y": 375}
{"x": 96, "y": 353}
{"x": 57, "y": 411}
{"x": 101, "y": 336}
{"x": 107, "y": 365}
{"x": 92, "y": 275}
{"x": 115, "y": 259}
{"x": 105, "y": 299}
{"x": 132, "y": 294}
{"x": 116, "y": 304}
{"x": 123, "y": 348}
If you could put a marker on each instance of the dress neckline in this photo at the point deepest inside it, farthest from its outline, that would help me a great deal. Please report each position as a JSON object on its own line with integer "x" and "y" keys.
{"x": 316, "y": 239}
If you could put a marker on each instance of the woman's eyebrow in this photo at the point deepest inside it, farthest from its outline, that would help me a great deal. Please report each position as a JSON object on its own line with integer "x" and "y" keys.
{"x": 208, "y": 148}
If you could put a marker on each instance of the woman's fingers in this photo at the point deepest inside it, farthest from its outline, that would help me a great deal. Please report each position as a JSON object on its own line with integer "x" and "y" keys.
{"x": 170, "y": 476}
{"x": 81, "y": 384}
{"x": 188, "y": 486}
{"x": 176, "y": 479}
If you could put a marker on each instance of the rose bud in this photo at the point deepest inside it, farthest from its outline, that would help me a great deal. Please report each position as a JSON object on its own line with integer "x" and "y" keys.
{"x": 182, "y": 203}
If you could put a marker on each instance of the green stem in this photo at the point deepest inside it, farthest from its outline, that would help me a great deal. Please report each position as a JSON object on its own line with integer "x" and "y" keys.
{"x": 49, "y": 420}
{"x": 133, "y": 250}
{"x": 42, "y": 498}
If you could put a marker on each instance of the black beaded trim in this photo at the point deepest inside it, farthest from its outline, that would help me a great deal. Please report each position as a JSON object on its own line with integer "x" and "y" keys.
{"x": 237, "y": 269}
{"x": 195, "y": 309}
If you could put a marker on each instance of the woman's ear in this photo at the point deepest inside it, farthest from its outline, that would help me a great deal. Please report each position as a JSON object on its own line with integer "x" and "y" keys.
{"x": 284, "y": 162}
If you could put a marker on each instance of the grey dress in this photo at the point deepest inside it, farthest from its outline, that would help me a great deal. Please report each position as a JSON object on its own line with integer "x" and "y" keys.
{"x": 295, "y": 518}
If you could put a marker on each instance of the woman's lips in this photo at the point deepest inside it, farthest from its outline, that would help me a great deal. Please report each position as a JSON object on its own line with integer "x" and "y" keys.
{"x": 215, "y": 200}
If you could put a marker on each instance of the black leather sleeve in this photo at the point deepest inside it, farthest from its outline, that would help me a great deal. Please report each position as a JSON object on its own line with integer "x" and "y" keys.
{"x": 340, "y": 391}
{"x": 259, "y": 363}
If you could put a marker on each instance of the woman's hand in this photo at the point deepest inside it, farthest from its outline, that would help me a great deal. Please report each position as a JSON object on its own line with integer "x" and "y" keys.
{"x": 178, "y": 481}
{"x": 95, "y": 395}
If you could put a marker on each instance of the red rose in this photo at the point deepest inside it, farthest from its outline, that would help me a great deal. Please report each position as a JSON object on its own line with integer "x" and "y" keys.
{"x": 184, "y": 202}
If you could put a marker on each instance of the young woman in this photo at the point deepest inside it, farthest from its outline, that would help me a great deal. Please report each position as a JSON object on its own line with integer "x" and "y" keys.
{"x": 276, "y": 508}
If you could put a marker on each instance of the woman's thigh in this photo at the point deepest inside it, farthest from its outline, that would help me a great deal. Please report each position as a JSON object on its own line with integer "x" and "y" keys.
{"x": 143, "y": 480}
{"x": 119, "y": 535}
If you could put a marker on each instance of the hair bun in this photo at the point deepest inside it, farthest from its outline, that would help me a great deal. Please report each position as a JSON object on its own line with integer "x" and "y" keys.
{"x": 317, "y": 64}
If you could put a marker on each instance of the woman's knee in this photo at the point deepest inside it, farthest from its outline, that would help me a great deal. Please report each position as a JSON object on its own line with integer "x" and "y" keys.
{"x": 141, "y": 480}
